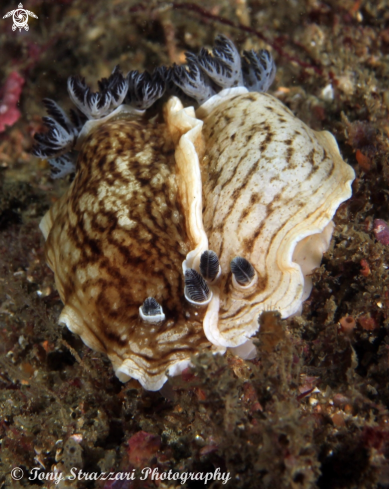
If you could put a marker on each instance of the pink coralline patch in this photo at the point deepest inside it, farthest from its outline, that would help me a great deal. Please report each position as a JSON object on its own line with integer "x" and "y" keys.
{"x": 365, "y": 270}
{"x": 347, "y": 324}
{"x": 142, "y": 447}
{"x": 10, "y": 94}
{"x": 187, "y": 375}
{"x": 208, "y": 449}
{"x": 373, "y": 437}
{"x": 381, "y": 231}
{"x": 368, "y": 323}
{"x": 251, "y": 398}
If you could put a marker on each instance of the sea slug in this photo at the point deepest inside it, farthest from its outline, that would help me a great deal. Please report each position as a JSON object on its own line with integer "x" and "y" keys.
{"x": 180, "y": 228}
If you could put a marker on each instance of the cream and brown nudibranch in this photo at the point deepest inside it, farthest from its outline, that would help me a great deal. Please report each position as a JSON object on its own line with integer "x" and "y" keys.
{"x": 181, "y": 226}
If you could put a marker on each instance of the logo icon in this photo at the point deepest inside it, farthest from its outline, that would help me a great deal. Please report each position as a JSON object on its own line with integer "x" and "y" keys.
{"x": 20, "y": 18}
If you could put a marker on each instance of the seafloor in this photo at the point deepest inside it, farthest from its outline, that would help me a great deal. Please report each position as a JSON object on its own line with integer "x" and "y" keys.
{"x": 312, "y": 409}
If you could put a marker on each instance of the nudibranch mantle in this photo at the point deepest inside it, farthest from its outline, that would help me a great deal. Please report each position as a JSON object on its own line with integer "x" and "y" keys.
{"x": 271, "y": 188}
{"x": 179, "y": 229}
{"x": 120, "y": 235}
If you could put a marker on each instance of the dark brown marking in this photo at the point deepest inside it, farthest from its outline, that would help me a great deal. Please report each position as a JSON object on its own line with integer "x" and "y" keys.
{"x": 132, "y": 260}
{"x": 251, "y": 97}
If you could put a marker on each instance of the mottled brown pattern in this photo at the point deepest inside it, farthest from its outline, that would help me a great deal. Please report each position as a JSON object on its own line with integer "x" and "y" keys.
{"x": 118, "y": 237}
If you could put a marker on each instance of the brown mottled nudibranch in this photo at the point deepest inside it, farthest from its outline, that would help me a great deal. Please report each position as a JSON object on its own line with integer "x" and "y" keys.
{"x": 180, "y": 228}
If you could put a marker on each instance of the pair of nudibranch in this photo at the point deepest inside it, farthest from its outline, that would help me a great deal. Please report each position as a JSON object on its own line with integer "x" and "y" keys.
{"x": 181, "y": 226}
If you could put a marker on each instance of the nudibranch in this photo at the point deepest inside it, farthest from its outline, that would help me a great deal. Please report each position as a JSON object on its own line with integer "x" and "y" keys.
{"x": 182, "y": 225}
